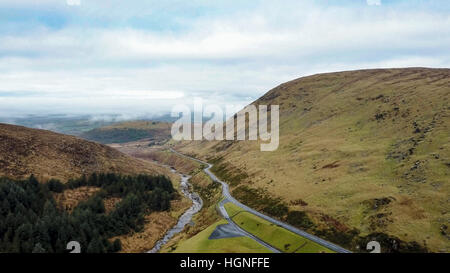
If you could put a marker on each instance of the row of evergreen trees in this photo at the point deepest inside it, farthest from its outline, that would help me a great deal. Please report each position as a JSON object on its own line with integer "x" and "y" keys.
{"x": 30, "y": 220}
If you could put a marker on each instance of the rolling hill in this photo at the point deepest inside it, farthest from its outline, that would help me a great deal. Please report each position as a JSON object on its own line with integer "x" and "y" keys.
{"x": 130, "y": 131}
{"x": 363, "y": 154}
{"x": 25, "y": 151}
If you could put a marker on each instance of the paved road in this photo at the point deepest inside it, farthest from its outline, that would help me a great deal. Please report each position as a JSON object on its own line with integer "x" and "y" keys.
{"x": 197, "y": 204}
{"x": 229, "y": 198}
{"x": 225, "y": 215}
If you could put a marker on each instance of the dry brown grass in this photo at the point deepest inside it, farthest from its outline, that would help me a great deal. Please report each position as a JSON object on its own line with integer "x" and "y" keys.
{"x": 160, "y": 154}
{"x": 200, "y": 181}
{"x": 156, "y": 225}
{"x": 207, "y": 215}
{"x": 25, "y": 151}
{"x": 70, "y": 198}
{"x": 110, "y": 203}
{"x": 349, "y": 137}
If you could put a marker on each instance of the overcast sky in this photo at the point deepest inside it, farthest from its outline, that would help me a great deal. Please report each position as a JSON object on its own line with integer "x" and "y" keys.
{"x": 142, "y": 57}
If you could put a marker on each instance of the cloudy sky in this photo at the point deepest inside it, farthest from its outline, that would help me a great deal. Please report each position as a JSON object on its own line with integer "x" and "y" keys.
{"x": 142, "y": 57}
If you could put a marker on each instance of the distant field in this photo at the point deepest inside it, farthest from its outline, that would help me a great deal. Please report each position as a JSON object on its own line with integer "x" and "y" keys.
{"x": 130, "y": 131}
{"x": 274, "y": 235}
{"x": 59, "y": 123}
{"x": 201, "y": 244}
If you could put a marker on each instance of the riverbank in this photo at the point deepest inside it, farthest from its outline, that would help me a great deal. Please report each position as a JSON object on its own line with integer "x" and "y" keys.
{"x": 186, "y": 218}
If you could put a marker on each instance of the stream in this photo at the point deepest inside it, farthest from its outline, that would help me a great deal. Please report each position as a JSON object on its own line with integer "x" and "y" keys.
{"x": 186, "y": 218}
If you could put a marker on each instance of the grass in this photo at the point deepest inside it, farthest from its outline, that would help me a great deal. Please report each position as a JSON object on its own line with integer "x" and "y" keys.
{"x": 201, "y": 244}
{"x": 49, "y": 155}
{"x": 130, "y": 131}
{"x": 274, "y": 235}
{"x": 335, "y": 154}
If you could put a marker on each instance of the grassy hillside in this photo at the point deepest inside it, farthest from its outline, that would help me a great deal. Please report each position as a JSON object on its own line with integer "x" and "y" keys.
{"x": 276, "y": 236}
{"x": 363, "y": 154}
{"x": 45, "y": 154}
{"x": 130, "y": 131}
{"x": 200, "y": 243}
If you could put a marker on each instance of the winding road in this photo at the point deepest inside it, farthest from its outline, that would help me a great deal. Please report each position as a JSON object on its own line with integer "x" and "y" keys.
{"x": 229, "y": 198}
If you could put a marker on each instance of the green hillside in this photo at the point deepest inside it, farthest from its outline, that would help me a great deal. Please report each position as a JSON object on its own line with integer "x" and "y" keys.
{"x": 130, "y": 131}
{"x": 363, "y": 154}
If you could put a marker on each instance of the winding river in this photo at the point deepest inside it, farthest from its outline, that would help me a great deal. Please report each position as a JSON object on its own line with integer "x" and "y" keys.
{"x": 198, "y": 203}
{"x": 228, "y": 198}
{"x": 186, "y": 218}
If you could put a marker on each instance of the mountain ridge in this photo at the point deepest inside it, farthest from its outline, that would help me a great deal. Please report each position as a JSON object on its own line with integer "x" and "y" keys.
{"x": 363, "y": 150}
{"x": 129, "y": 131}
{"x": 45, "y": 154}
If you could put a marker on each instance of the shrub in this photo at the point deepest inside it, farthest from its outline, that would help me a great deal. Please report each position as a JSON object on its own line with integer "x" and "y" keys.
{"x": 299, "y": 219}
{"x": 55, "y": 186}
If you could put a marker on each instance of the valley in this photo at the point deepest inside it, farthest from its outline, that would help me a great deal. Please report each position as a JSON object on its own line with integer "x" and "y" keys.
{"x": 363, "y": 156}
{"x": 56, "y": 188}
{"x": 123, "y": 132}
{"x": 239, "y": 234}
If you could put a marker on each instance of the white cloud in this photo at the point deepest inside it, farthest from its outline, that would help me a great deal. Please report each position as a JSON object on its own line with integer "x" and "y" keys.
{"x": 73, "y": 2}
{"x": 226, "y": 58}
{"x": 373, "y": 2}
